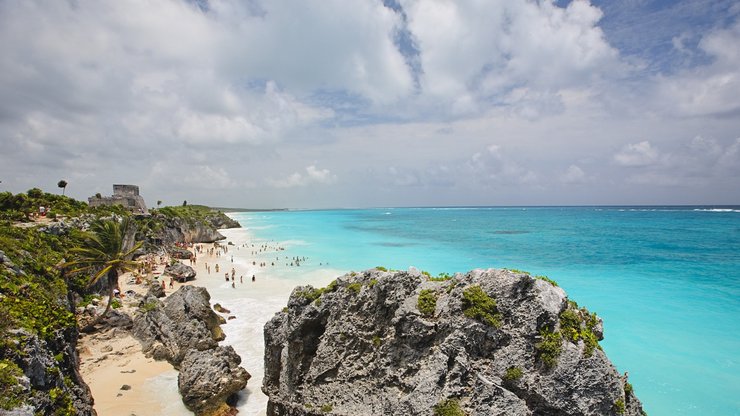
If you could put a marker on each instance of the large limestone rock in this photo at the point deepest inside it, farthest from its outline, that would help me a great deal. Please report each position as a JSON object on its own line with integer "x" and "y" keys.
{"x": 167, "y": 330}
{"x": 185, "y": 331}
{"x": 363, "y": 347}
{"x": 208, "y": 379}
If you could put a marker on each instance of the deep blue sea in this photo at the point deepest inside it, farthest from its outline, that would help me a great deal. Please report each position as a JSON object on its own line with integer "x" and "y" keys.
{"x": 666, "y": 280}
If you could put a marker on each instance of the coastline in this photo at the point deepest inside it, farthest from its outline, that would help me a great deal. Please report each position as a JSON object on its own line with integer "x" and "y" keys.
{"x": 113, "y": 358}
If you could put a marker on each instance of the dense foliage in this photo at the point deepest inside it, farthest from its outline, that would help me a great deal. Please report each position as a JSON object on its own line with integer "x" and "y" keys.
{"x": 21, "y": 206}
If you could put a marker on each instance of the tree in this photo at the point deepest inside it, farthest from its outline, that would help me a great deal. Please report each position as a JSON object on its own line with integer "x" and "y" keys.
{"x": 185, "y": 203}
{"x": 62, "y": 184}
{"x": 159, "y": 203}
{"x": 107, "y": 251}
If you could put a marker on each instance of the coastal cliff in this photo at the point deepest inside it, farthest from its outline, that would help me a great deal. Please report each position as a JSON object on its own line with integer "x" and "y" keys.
{"x": 487, "y": 342}
{"x": 191, "y": 223}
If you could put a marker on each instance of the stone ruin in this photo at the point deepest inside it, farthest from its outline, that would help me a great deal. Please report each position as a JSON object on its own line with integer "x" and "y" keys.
{"x": 125, "y": 195}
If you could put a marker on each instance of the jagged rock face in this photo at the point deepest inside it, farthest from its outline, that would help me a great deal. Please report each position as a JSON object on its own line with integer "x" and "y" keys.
{"x": 168, "y": 330}
{"x": 208, "y": 378}
{"x": 365, "y": 349}
{"x": 43, "y": 372}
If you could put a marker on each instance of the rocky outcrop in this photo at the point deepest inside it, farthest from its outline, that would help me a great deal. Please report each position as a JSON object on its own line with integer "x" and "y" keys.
{"x": 208, "y": 378}
{"x": 487, "y": 342}
{"x": 184, "y": 321}
{"x": 185, "y": 331}
{"x": 180, "y": 271}
{"x": 49, "y": 375}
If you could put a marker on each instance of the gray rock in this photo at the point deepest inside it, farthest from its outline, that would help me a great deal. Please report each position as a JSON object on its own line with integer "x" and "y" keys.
{"x": 365, "y": 349}
{"x": 180, "y": 271}
{"x": 167, "y": 330}
{"x": 156, "y": 290}
{"x": 180, "y": 253}
{"x": 207, "y": 379}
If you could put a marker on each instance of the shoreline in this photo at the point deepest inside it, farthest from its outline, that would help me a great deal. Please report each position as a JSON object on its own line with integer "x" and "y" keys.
{"x": 109, "y": 359}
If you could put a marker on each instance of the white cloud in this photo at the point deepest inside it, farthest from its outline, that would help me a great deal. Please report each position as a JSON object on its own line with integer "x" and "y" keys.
{"x": 312, "y": 175}
{"x": 573, "y": 175}
{"x": 473, "y": 52}
{"x": 637, "y": 154}
{"x": 707, "y": 90}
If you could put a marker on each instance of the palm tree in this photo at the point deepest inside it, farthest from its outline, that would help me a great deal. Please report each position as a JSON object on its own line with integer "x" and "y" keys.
{"x": 107, "y": 251}
{"x": 62, "y": 184}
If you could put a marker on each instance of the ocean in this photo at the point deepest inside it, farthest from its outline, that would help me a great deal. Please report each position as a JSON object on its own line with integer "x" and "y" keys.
{"x": 666, "y": 280}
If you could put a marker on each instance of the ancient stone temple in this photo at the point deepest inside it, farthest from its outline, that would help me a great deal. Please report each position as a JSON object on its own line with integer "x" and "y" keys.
{"x": 125, "y": 195}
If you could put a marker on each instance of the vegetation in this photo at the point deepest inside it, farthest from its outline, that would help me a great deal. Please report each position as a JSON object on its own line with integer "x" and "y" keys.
{"x": 62, "y": 184}
{"x": 628, "y": 389}
{"x": 512, "y": 374}
{"x": 373, "y": 282}
{"x": 426, "y": 273}
{"x": 381, "y": 268}
{"x": 448, "y": 407}
{"x": 427, "y": 302}
{"x": 21, "y": 207}
{"x": 578, "y": 324}
{"x": 106, "y": 251}
{"x": 619, "y": 406}
{"x": 441, "y": 277}
{"x": 10, "y": 390}
{"x": 326, "y": 408}
{"x": 478, "y": 305}
{"x": 354, "y": 287}
{"x": 549, "y": 348}
{"x": 547, "y": 279}
{"x": 313, "y": 294}
{"x": 377, "y": 341}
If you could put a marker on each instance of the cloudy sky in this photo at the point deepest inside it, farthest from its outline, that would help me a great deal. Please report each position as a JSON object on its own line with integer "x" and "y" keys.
{"x": 351, "y": 103}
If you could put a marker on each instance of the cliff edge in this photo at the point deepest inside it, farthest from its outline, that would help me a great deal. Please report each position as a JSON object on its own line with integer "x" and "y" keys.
{"x": 490, "y": 342}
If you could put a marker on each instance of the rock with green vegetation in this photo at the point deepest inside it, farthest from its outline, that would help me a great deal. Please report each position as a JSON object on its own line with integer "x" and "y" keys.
{"x": 500, "y": 343}
{"x": 190, "y": 223}
{"x": 427, "y": 302}
{"x": 38, "y": 331}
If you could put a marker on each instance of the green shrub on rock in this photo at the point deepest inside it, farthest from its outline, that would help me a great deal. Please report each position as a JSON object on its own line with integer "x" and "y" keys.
{"x": 449, "y": 407}
{"x": 427, "y": 302}
{"x": 549, "y": 348}
{"x": 512, "y": 374}
{"x": 478, "y": 305}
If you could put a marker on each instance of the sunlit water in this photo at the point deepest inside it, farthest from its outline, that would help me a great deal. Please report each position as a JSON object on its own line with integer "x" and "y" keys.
{"x": 665, "y": 280}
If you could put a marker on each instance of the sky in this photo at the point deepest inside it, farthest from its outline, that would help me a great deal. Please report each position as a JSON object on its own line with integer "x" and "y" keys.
{"x": 365, "y": 103}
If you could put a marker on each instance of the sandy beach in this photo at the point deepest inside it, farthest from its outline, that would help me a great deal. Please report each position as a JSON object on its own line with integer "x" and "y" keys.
{"x": 112, "y": 359}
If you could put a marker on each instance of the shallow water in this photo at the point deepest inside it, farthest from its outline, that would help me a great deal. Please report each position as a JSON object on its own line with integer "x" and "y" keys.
{"x": 666, "y": 280}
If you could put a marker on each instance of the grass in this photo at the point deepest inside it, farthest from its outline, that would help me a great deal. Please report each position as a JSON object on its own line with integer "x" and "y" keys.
{"x": 427, "y": 302}
{"x": 354, "y": 287}
{"x": 381, "y": 268}
{"x": 326, "y": 408}
{"x": 478, "y": 305}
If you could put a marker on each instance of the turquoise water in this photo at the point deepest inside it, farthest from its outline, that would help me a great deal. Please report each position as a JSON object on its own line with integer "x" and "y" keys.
{"x": 665, "y": 280}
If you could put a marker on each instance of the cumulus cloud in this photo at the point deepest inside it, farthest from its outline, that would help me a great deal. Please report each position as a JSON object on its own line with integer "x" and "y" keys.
{"x": 637, "y": 154}
{"x": 707, "y": 90}
{"x": 477, "y": 52}
{"x": 312, "y": 175}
